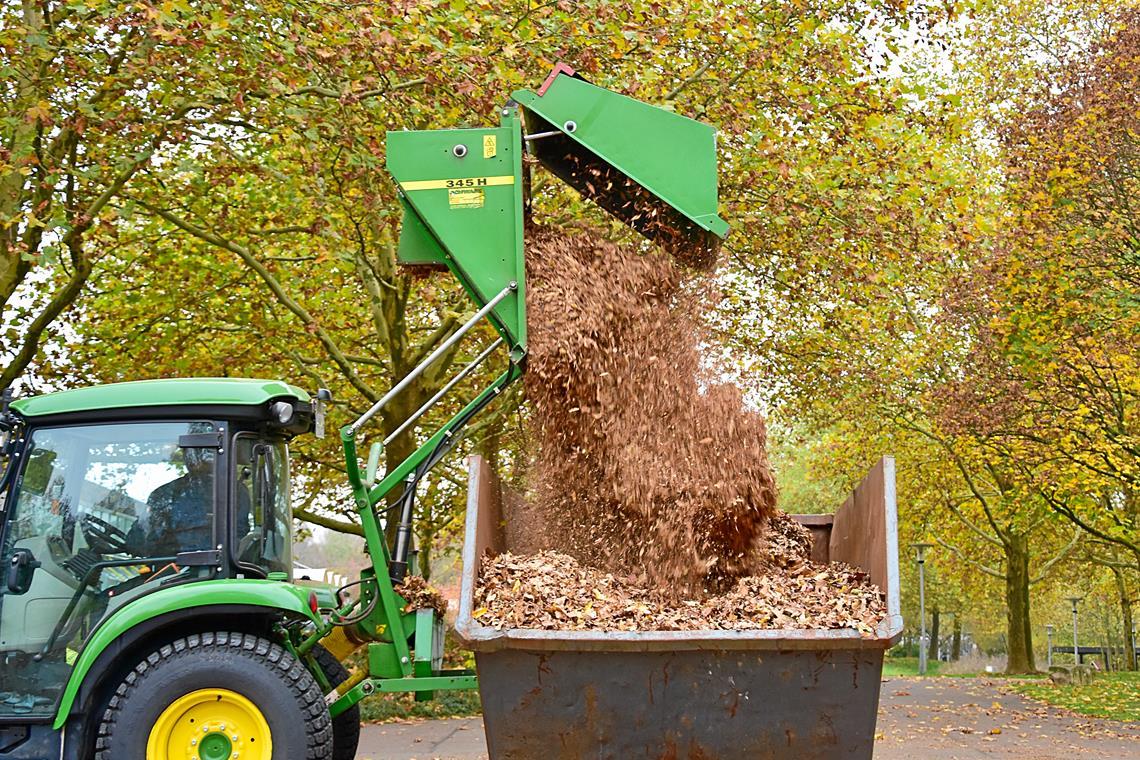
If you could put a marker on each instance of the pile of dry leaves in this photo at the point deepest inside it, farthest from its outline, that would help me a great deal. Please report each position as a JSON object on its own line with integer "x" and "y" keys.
{"x": 552, "y": 591}
{"x": 419, "y": 595}
{"x": 649, "y": 474}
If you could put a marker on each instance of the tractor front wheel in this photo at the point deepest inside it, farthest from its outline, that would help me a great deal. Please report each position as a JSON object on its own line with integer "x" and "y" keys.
{"x": 217, "y": 696}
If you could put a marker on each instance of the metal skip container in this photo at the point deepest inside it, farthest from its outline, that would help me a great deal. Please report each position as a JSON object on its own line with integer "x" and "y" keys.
{"x": 692, "y": 694}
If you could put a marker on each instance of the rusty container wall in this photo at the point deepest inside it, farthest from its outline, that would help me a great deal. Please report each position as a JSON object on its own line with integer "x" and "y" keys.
{"x": 692, "y": 694}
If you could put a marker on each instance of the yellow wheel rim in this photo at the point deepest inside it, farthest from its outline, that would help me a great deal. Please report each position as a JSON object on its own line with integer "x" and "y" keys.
{"x": 210, "y": 724}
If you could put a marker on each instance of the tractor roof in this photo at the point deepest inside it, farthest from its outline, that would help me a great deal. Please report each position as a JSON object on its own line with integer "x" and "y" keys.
{"x": 199, "y": 391}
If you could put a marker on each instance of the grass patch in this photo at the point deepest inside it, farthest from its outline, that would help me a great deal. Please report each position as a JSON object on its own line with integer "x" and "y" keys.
{"x": 907, "y": 666}
{"x": 454, "y": 703}
{"x": 1110, "y": 695}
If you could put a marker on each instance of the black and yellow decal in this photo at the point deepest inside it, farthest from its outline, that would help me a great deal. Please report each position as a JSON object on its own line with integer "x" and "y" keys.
{"x": 451, "y": 184}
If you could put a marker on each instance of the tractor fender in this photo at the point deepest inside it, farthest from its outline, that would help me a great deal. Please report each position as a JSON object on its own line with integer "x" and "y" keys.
{"x": 137, "y": 620}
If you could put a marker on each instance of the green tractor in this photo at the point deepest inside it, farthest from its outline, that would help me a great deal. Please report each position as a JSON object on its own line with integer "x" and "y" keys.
{"x": 148, "y": 608}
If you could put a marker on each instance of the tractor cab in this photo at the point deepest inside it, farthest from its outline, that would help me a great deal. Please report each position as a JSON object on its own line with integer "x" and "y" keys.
{"x": 113, "y": 492}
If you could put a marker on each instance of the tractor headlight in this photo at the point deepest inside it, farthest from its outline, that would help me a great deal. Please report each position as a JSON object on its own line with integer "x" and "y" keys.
{"x": 281, "y": 412}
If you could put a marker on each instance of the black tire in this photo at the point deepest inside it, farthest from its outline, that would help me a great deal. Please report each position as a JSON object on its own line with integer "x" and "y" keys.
{"x": 346, "y": 726}
{"x": 278, "y": 684}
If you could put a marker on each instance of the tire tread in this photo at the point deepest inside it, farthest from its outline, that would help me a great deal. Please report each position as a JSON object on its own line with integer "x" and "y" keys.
{"x": 293, "y": 674}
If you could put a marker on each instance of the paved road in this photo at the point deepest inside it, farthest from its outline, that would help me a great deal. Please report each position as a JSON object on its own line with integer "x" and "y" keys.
{"x": 919, "y": 719}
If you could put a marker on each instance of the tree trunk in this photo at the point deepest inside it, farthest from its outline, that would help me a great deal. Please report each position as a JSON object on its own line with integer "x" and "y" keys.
{"x": 956, "y": 641}
{"x": 1019, "y": 634}
{"x": 932, "y": 647}
{"x": 1126, "y": 616}
{"x": 423, "y": 559}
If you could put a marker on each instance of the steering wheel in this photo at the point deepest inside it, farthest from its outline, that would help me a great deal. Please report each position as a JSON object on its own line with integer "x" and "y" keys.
{"x": 102, "y": 536}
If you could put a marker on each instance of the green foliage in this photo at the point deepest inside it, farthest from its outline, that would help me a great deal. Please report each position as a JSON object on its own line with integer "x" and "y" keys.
{"x": 446, "y": 704}
{"x": 94, "y": 94}
{"x": 800, "y": 465}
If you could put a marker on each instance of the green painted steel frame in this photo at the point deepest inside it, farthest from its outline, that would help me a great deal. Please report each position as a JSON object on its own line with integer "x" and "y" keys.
{"x": 388, "y": 621}
{"x": 463, "y": 197}
{"x": 417, "y": 684}
{"x": 483, "y": 248}
{"x": 672, "y": 157}
{"x": 480, "y": 243}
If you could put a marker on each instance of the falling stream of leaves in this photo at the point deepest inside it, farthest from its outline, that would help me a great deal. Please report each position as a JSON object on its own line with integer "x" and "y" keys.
{"x": 651, "y": 474}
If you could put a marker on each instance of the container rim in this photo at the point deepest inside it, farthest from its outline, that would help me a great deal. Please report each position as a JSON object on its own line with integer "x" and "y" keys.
{"x": 481, "y": 638}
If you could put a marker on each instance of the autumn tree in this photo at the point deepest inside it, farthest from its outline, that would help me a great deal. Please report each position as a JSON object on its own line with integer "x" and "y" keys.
{"x": 266, "y": 245}
{"x": 1065, "y": 309}
{"x": 95, "y": 95}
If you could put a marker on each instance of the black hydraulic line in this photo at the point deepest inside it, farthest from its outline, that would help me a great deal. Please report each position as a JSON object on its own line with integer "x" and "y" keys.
{"x": 398, "y": 567}
{"x": 362, "y": 615}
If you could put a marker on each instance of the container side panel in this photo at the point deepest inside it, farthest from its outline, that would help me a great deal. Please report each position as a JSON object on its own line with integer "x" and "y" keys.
{"x": 820, "y": 528}
{"x": 859, "y": 534}
{"x": 727, "y": 704}
{"x": 865, "y": 534}
{"x": 489, "y": 528}
{"x": 478, "y": 474}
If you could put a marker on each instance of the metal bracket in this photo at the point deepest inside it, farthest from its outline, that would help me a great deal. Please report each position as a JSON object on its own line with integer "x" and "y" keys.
{"x": 200, "y": 440}
{"x": 201, "y": 558}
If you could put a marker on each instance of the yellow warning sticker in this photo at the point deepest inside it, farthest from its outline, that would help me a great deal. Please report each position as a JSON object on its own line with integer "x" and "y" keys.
{"x": 438, "y": 184}
{"x": 465, "y": 198}
{"x": 490, "y": 146}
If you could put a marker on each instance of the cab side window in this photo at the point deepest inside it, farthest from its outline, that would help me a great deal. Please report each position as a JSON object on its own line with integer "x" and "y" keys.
{"x": 261, "y": 504}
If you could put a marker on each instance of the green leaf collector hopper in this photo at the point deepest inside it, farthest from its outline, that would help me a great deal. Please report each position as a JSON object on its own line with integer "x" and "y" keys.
{"x": 463, "y": 190}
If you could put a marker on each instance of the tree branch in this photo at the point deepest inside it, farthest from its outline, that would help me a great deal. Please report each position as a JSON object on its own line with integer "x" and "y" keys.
{"x": 1044, "y": 570}
{"x": 277, "y": 289}
{"x": 968, "y": 560}
{"x": 340, "y": 526}
{"x": 700, "y": 72}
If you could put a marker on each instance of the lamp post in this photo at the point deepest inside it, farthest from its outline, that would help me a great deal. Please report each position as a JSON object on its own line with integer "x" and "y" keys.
{"x": 1076, "y": 649}
{"x": 1049, "y": 637}
{"x": 920, "y": 556}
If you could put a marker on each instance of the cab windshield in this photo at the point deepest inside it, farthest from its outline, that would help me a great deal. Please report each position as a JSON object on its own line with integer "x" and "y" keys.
{"x": 263, "y": 518}
{"x": 98, "y": 516}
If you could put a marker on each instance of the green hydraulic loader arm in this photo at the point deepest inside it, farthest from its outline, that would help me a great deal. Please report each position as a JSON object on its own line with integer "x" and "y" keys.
{"x": 464, "y": 194}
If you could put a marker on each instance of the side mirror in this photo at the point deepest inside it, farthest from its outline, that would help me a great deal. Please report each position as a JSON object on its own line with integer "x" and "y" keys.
{"x": 21, "y": 566}
{"x": 320, "y": 403}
